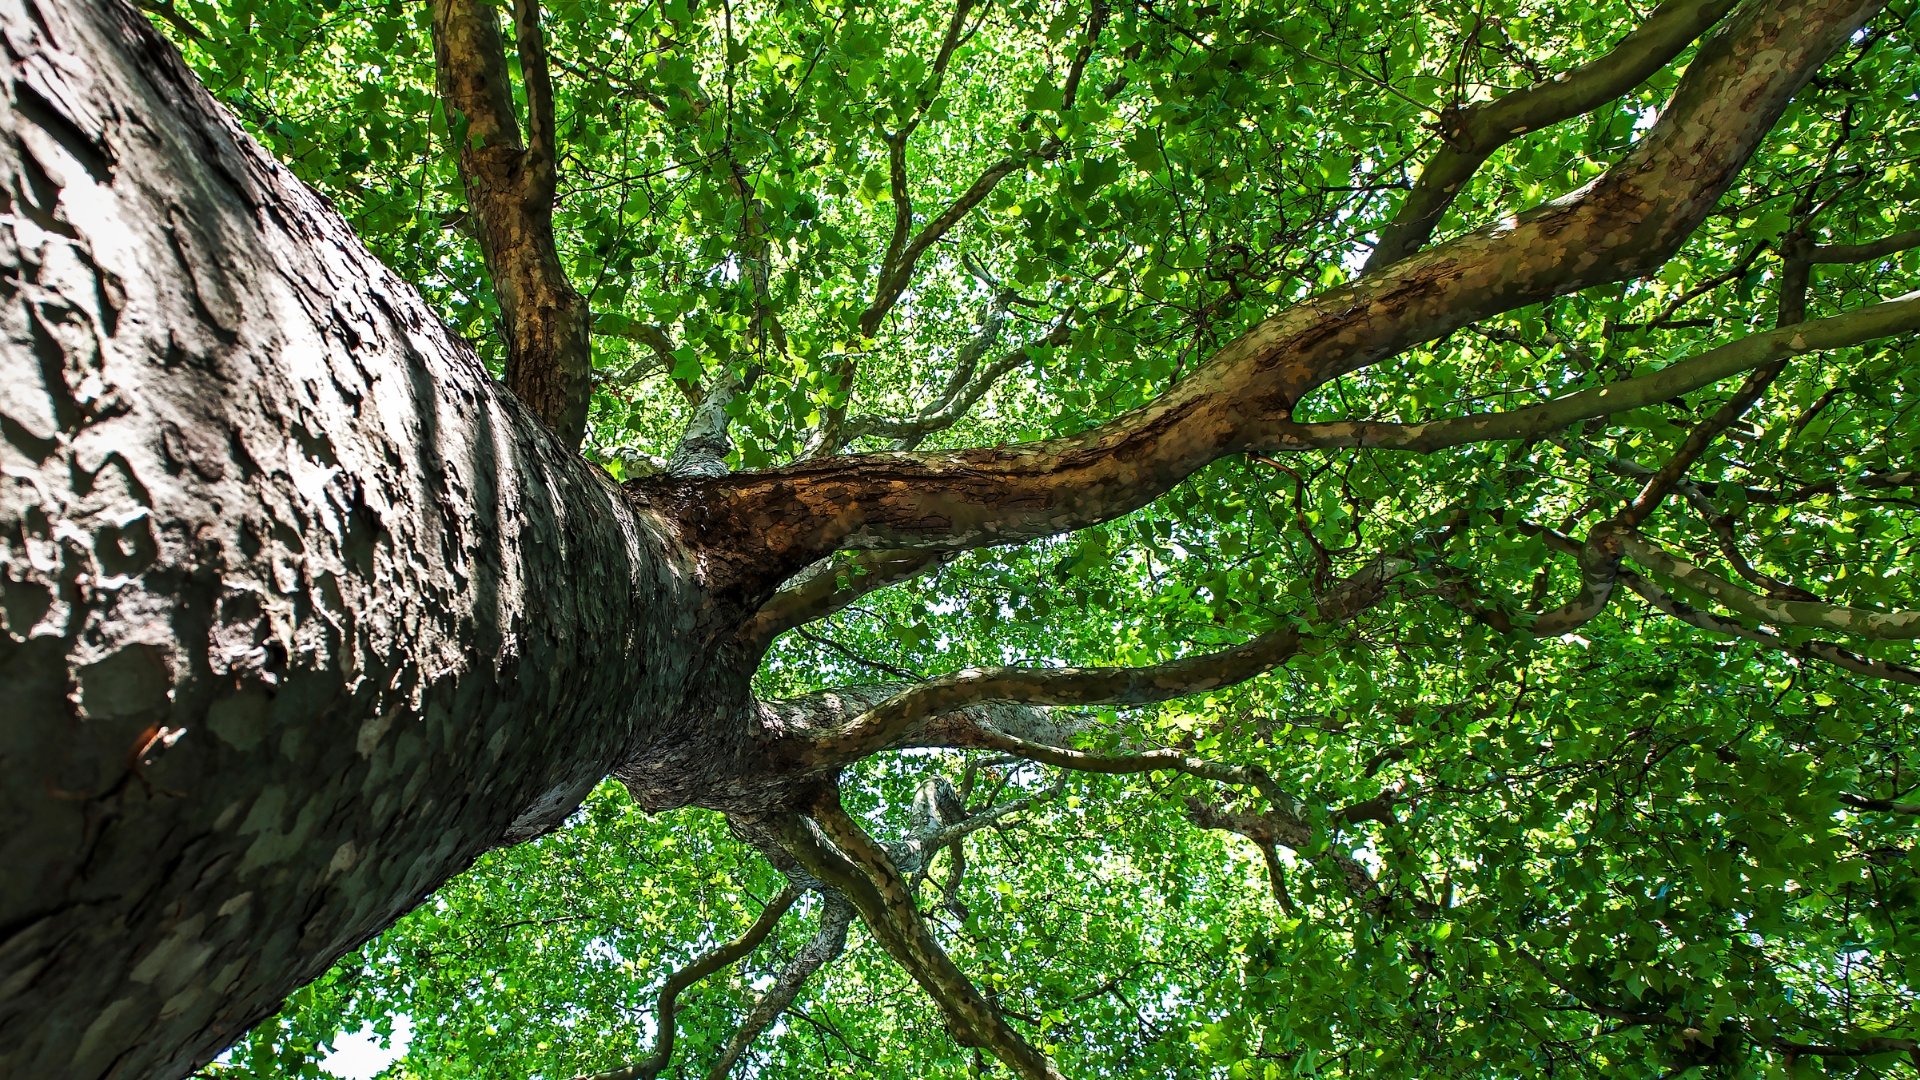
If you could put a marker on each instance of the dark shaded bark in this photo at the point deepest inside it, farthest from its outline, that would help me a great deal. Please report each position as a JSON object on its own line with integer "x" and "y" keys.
{"x": 301, "y": 613}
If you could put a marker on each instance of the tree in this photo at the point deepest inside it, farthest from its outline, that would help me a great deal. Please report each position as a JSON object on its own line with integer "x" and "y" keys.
{"x": 1420, "y": 352}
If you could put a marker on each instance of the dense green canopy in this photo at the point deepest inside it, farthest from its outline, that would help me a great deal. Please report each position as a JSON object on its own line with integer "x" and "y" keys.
{"x": 1670, "y": 842}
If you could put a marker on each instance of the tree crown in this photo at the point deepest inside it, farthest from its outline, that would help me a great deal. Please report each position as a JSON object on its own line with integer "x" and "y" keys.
{"x": 1603, "y": 775}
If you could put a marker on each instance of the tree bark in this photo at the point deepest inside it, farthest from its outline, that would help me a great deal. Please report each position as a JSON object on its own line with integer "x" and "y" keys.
{"x": 299, "y": 612}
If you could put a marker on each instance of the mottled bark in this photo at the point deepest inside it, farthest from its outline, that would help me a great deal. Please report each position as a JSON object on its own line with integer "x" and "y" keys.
{"x": 1824, "y": 651}
{"x": 299, "y": 613}
{"x": 823, "y": 948}
{"x": 841, "y": 854}
{"x": 1864, "y": 622}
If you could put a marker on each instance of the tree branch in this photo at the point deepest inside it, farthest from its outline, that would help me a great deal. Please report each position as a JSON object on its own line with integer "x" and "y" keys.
{"x": 900, "y": 715}
{"x": 1884, "y": 806}
{"x": 651, "y": 1066}
{"x": 898, "y": 272}
{"x": 820, "y": 592}
{"x": 1599, "y": 572}
{"x": 165, "y": 10}
{"x": 705, "y": 444}
{"x": 822, "y": 949}
{"x": 1655, "y": 490}
{"x": 510, "y": 187}
{"x": 862, "y": 871}
{"x": 1864, "y": 622}
{"x": 535, "y": 79}
{"x": 1662, "y": 601}
{"x": 945, "y": 411}
{"x": 1867, "y": 1047}
{"x": 973, "y": 823}
{"x": 1280, "y": 827}
{"x": 1471, "y": 135}
{"x": 1802, "y": 255}
{"x": 1897, "y": 316}
{"x": 655, "y": 338}
{"x": 1281, "y": 824}
{"x": 1826, "y": 652}
{"x": 1833, "y": 254}
{"x": 897, "y": 143}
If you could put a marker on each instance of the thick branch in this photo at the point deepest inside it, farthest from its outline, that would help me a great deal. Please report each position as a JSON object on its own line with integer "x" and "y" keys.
{"x": 651, "y": 1066}
{"x": 510, "y": 187}
{"x": 902, "y": 200}
{"x": 1125, "y": 764}
{"x": 1662, "y": 601}
{"x": 531, "y": 45}
{"x": 1599, "y": 572}
{"x": 1897, "y": 479}
{"x": 705, "y": 444}
{"x": 655, "y": 338}
{"x": 165, "y": 10}
{"x": 1472, "y": 134}
{"x": 897, "y": 142}
{"x": 1625, "y": 224}
{"x": 952, "y": 834}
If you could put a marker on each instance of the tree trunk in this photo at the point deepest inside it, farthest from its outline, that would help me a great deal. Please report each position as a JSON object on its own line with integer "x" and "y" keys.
{"x": 299, "y": 611}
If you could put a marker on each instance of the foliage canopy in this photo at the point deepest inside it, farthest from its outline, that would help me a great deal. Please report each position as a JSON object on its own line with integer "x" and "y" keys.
{"x": 1641, "y": 848}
